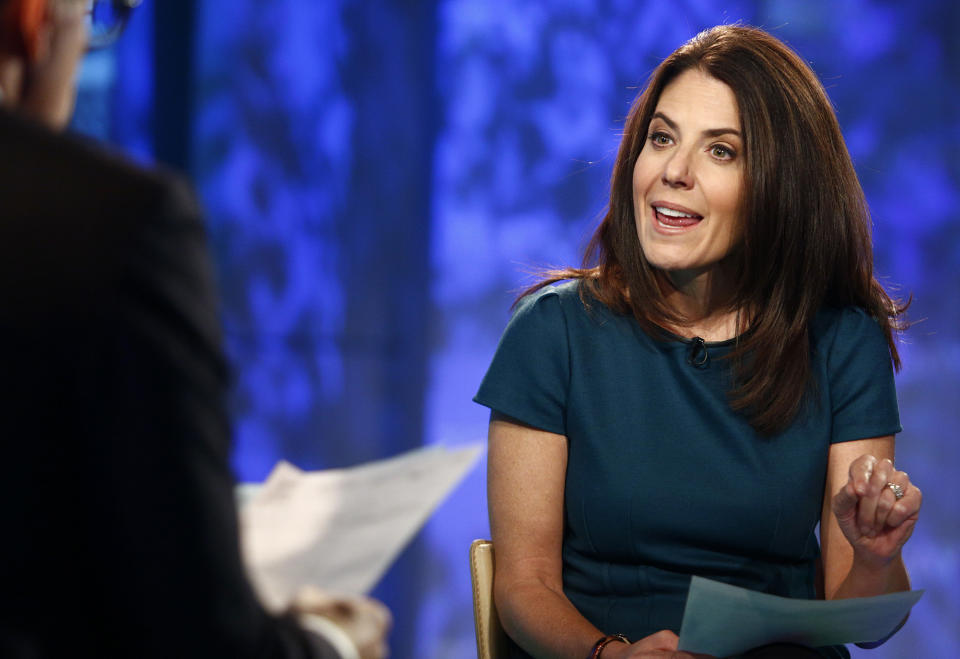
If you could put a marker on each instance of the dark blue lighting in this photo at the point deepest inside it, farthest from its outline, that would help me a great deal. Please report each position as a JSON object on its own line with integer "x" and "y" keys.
{"x": 380, "y": 176}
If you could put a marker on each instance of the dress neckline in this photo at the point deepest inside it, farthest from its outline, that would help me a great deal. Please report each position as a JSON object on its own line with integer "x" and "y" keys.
{"x": 696, "y": 339}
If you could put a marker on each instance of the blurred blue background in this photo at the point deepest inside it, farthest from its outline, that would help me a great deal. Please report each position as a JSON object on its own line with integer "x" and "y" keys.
{"x": 380, "y": 175}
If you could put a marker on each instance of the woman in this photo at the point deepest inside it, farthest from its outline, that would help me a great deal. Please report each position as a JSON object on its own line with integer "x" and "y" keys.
{"x": 715, "y": 381}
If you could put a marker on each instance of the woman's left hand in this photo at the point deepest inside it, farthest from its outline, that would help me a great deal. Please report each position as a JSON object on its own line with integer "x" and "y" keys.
{"x": 873, "y": 519}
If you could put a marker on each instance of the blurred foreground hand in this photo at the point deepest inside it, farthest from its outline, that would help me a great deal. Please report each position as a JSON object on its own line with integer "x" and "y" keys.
{"x": 365, "y": 620}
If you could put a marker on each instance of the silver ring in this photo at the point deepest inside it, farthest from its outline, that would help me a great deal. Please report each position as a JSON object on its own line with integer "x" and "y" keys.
{"x": 897, "y": 490}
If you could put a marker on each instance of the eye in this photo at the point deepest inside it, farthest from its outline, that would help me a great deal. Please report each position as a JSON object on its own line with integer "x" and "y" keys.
{"x": 658, "y": 138}
{"x": 722, "y": 152}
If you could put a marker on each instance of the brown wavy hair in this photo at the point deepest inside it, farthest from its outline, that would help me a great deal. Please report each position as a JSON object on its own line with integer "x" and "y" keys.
{"x": 806, "y": 227}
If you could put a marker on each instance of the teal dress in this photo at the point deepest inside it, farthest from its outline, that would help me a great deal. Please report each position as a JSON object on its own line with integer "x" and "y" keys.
{"x": 664, "y": 480}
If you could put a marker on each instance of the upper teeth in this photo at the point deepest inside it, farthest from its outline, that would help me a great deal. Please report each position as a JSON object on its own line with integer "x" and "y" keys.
{"x": 671, "y": 212}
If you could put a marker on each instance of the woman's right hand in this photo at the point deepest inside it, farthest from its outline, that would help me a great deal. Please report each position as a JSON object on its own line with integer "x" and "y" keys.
{"x": 661, "y": 645}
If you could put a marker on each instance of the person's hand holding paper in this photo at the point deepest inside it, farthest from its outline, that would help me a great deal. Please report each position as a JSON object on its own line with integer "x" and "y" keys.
{"x": 364, "y": 620}
{"x": 340, "y": 529}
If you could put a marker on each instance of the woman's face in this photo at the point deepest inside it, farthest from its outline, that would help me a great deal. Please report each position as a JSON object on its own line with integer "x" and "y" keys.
{"x": 688, "y": 178}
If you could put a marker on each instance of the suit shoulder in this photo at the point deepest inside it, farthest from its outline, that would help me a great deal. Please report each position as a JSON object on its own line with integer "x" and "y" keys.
{"x": 87, "y": 177}
{"x": 78, "y": 219}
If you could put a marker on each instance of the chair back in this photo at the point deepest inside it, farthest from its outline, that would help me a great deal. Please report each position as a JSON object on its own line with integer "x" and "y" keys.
{"x": 491, "y": 639}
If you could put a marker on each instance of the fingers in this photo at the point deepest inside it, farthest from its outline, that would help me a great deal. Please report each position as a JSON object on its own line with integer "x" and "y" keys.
{"x": 892, "y": 511}
{"x": 869, "y": 500}
{"x": 847, "y": 501}
{"x": 908, "y": 506}
{"x": 369, "y": 616}
{"x": 662, "y": 641}
{"x": 861, "y": 471}
{"x": 872, "y": 493}
{"x": 897, "y": 483}
{"x": 366, "y": 621}
{"x": 845, "y": 504}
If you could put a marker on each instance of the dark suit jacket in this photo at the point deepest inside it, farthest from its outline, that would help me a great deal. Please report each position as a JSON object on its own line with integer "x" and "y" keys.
{"x": 117, "y": 517}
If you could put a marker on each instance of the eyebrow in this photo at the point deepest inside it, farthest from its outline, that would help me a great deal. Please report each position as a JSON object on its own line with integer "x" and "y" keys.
{"x": 712, "y": 132}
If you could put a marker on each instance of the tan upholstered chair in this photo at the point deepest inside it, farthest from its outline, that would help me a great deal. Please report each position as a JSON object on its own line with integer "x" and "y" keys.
{"x": 491, "y": 639}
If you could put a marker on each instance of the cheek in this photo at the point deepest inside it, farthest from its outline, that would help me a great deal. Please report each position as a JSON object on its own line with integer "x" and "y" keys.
{"x": 641, "y": 178}
{"x": 727, "y": 201}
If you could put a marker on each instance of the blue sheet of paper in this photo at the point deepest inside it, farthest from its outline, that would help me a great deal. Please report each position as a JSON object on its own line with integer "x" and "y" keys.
{"x": 724, "y": 620}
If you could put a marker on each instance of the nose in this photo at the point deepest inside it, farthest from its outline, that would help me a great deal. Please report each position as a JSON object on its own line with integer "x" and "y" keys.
{"x": 676, "y": 170}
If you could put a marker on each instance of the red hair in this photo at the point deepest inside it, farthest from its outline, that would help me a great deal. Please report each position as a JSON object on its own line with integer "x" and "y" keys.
{"x": 20, "y": 22}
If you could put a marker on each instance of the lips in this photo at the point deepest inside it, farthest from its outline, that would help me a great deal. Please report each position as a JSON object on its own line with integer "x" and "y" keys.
{"x": 672, "y": 216}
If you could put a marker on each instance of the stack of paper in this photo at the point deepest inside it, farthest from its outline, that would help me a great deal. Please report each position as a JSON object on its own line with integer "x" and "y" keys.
{"x": 340, "y": 529}
{"x": 724, "y": 620}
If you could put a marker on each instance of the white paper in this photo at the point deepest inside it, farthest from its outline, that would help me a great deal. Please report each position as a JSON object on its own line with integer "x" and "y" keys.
{"x": 724, "y": 620}
{"x": 341, "y": 529}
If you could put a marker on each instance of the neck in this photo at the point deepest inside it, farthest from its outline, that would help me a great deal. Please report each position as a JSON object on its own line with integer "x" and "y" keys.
{"x": 705, "y": 299}
{"x": 11, "y": 80}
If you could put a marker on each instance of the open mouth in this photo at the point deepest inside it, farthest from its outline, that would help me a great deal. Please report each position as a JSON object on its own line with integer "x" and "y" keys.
{"x": 672, "y": 218}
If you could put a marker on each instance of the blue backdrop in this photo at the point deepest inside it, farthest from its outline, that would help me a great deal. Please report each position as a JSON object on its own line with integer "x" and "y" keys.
{"x": 379, "y": 175}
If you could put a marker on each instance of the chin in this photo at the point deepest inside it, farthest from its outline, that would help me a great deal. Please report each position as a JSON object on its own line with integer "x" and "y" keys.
{"x": 670, "y": 263}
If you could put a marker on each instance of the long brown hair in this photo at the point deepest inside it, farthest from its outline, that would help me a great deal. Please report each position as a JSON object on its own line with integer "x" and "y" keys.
{"x": 806, "y": 232}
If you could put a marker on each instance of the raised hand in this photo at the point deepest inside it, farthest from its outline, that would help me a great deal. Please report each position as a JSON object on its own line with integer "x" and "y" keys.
{"x": 877, "y": 509}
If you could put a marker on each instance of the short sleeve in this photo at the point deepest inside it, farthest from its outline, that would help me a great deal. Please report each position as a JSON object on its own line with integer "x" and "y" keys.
{"x": 529, "y": 375}
{"x": 862, "y": 393}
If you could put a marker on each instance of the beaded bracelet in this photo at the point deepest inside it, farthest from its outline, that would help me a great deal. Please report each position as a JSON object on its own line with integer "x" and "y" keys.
{"x": 603, "y": 642}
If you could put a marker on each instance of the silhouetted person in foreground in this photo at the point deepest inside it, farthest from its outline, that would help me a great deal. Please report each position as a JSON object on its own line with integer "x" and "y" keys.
{"x": 116, "y": 504}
